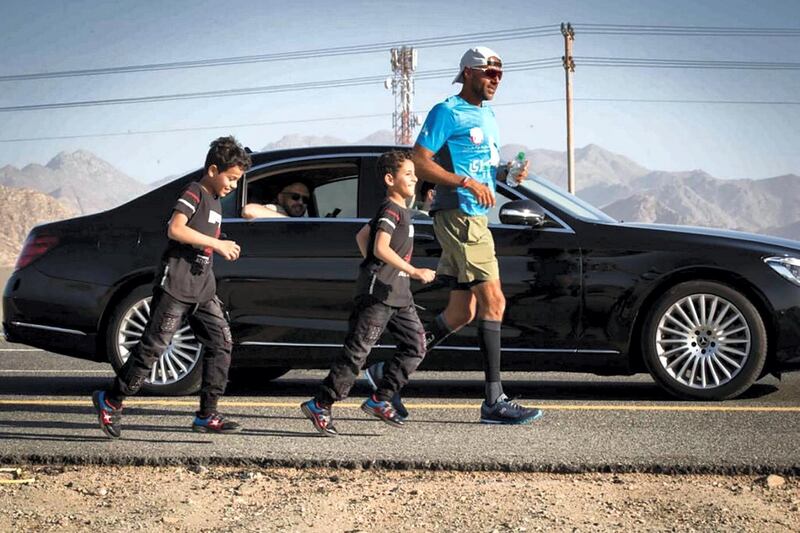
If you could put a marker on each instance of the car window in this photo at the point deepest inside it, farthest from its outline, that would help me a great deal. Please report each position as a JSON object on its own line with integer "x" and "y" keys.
{"x": 332, "y": 185}
{"x": 338, "y": 198}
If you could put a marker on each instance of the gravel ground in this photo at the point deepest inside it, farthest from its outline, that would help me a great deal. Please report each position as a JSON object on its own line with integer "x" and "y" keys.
{"x": 109, "y": 498}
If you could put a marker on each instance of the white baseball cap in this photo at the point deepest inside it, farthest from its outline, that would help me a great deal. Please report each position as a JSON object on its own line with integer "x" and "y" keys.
{"x": 476, "y": 57}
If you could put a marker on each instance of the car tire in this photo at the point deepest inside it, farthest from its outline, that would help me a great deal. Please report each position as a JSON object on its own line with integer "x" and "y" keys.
{"x": 178, "y": 370}
{"x": 704, "y": 340}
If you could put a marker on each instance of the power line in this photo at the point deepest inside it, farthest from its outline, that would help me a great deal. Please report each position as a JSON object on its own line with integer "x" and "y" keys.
{"x": 588, "y": 61}
{"x": 534, "y": 64}
{"x": 704, "y": 31}
{"x": 382, "y": 115}
{"x": 431, "y": 42}
{"x": 288, "y": 87}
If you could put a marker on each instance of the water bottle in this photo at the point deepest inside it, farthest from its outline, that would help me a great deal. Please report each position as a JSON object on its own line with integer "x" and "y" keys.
{"x": 514, "y": 170}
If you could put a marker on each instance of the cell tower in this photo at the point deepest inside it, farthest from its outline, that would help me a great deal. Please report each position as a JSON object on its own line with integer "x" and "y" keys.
{"x": 404, "y": 121}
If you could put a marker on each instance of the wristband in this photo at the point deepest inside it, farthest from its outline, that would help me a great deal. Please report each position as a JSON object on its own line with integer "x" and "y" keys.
{"x": 464, "y": 181}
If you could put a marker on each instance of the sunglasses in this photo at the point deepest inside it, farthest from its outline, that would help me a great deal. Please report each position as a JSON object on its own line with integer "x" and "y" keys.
{"x": 490, "y": 72}
{"x": 297, "y": 197}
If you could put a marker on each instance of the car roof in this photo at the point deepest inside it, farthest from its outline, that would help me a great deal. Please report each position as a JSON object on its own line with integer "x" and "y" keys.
{"x": 267, "y": 155}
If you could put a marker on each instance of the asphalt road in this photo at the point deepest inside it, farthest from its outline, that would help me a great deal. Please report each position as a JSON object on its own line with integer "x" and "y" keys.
{"x": 590, "y": 424}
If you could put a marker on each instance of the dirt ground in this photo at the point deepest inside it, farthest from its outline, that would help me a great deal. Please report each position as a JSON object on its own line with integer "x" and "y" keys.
{"x": 95, "y": 498}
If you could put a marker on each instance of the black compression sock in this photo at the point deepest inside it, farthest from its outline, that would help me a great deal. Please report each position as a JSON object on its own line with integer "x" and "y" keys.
{"x": 489, "y": 341}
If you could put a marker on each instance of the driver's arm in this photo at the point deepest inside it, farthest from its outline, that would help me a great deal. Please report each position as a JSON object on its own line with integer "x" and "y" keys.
{"x": 260, "y": 211}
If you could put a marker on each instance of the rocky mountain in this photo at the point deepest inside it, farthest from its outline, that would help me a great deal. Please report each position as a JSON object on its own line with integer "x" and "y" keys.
{"x": 643, "y": 207}
{"x": 595, "y": 169}
{"x": 789, "y": 231}
{"x": 80, "y": 180}
{"x": 768, "y": 205}
{"x": 380, "y": 137}
{"x": 628, "y": 191}
{"x": 21, "y": 210}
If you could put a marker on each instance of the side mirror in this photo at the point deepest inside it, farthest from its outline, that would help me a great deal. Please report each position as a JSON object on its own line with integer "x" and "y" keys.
{"x": 522, "y": 212}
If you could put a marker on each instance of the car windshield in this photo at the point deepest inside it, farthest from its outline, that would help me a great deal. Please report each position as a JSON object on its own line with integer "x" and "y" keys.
{"x": 564, "y": 200}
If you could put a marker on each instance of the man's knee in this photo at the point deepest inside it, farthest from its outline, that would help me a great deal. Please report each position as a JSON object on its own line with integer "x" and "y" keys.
{"x": 491, "y": 300}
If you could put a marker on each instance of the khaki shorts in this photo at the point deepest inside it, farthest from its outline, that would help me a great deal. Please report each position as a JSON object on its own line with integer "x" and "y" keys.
{"x": 467, "y": 246}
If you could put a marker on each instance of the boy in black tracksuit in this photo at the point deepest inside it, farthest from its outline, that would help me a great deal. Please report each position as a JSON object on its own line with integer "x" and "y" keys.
{"x": 185, "y": 288}
{"x": 383, "y": 300}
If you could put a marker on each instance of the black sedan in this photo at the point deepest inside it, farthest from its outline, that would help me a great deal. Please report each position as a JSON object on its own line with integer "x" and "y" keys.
{"x": 706, "y": 312}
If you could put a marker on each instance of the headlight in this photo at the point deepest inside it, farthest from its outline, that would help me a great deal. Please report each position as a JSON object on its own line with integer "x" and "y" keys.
{"x": 788, "y": 267}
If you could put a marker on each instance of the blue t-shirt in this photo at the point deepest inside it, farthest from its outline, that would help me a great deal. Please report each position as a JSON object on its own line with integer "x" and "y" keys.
{"x": 466, "y": 141}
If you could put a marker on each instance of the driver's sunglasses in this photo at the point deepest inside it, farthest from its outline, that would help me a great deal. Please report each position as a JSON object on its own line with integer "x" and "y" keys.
{"x": 297, "y": 197}
{"x": 490, "y": 72}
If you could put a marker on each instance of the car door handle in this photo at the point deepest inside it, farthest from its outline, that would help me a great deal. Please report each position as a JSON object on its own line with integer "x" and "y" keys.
{"x": 424, "y": 237}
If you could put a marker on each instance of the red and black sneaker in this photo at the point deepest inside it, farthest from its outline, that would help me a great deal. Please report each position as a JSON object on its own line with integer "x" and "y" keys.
{"x": 320, "y": 416}
{"x": 215, "y": 423}
{"x": 383, "y": 410}
{"x": 108, "y": 415}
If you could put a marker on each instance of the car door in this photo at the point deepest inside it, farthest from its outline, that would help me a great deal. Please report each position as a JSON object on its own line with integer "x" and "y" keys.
{"x": 292, "y": 285}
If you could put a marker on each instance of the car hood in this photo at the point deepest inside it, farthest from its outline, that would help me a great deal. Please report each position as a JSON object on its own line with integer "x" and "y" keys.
{"x": 721, "y": 233}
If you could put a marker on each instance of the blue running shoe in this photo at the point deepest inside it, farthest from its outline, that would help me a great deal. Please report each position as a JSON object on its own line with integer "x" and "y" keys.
{"x": 504, "y": 411}
{"x": 109, "y": 417}
{"x": 320, "y": 416}
{"x": 215, "y": 423}
{"x": 382, "y": 410}
{"x": 374, "y": 375}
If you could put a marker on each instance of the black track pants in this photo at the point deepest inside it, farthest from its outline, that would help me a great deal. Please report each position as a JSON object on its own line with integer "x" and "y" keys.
{"x": 367, "y": 323}
{"x": 209, "y": 324}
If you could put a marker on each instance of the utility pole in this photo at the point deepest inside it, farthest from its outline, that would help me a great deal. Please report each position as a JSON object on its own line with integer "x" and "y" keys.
{"x": 569, "y": 68}
{"x": 404, "y": 121}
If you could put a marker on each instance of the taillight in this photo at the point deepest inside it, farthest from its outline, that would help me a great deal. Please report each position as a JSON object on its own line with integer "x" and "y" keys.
{"x": 34, "y": 248}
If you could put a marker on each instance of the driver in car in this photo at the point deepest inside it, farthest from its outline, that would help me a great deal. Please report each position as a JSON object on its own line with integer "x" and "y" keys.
{"x": 291, "y": 201}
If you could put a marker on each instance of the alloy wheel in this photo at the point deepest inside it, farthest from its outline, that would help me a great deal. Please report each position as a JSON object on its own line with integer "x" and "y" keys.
{"x": 703, "y": 341}
{"x": 178, "y": 359}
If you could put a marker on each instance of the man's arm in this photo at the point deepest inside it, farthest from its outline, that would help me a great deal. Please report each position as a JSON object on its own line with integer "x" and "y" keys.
{"x": 260, "y": 211}
{"x": 177, "y": 230}
{"x": 430, "y": 170}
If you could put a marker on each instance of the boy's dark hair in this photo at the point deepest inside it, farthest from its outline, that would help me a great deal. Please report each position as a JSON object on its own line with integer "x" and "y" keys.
{"x": 226, "y": 152}
{"x": 389, "y": 162}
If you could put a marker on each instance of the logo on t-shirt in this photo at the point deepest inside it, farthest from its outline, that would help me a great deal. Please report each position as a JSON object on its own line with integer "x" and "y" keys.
{"x": 214, "y": 217}
{"x": 476, "y": 135}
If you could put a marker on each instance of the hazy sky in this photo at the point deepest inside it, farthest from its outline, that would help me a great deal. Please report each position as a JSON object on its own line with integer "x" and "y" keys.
{"x": 727, "y": 140}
